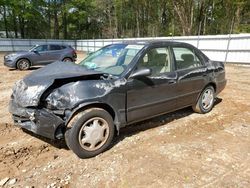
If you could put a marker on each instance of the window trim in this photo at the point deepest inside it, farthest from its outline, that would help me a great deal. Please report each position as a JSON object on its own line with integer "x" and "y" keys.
{"x": 40, "y": 46}
{"x": 194, "y": 52}
{"x": 54, "y": 45}
{"x": 172, "y": 64}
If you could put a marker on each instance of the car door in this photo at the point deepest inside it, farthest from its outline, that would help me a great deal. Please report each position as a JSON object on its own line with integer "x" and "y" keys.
{"x": 155, "y": 94}
{"x": 54, "y": 53}
{"x": 192, "y": 75}
{"x": 39, "y": 55}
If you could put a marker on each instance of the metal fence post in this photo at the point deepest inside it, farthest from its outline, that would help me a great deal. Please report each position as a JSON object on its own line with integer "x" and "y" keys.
{"x": 229, "y": 39}
{"x": 12, "y": 45}
{"x": 29, "y": 43}
{"x": 228, "y": 44}
{"x": 88, "y": 45}
{"x": 75, "y": 42}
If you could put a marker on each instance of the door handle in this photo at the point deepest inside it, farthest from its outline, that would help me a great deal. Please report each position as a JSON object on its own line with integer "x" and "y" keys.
{"x": 171, "y": 81}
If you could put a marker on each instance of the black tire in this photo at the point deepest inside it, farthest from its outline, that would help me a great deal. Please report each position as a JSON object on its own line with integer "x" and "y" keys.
{"x": 201, "y": 106}
{"x": 67, "y": 59}
{"x": 76, "y": 133}
{"x": 23, "y": 64}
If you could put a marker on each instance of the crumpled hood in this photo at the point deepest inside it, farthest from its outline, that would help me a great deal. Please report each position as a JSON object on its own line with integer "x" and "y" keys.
{"x": 27, "y": 92}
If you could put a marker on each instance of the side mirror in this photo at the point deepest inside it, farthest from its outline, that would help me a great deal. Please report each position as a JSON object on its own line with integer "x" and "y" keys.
{"x": 35, "y": 51}
{"x": 142, "y": 72}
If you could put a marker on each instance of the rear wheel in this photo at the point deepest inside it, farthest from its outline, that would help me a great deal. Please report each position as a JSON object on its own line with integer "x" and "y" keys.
{"x": 90, "y": 132}
{"x": 205, "y": 102}
{"x": 67, "y": 59}
{"x": 23, "y": 64}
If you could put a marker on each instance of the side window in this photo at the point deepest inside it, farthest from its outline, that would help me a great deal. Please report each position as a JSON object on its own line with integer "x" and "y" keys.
{"x": 63, "y": 47}
{"x": 185, "y": 58}
{"x": 42, "y": 48}
{"x": 55, "y": 47}
{"x": 158, "y": 60}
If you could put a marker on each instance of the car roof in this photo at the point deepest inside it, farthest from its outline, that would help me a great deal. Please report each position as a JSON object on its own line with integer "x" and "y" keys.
{"x": 53, "y": 44}
{"x": 154, "y": 42}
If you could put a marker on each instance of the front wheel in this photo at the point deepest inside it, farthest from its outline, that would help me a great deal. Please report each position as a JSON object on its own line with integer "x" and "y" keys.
{"x": 205, "y": 102}
{"x": 90, "y": 132}
{"x": 23, "y": 64}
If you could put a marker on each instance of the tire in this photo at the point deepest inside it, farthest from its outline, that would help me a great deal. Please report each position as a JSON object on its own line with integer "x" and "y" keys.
{"x": 205, "y": 102}
{"x": 23, "y": 64}
{"x": 67, "y": 59}
{"x": 90, "y": 132}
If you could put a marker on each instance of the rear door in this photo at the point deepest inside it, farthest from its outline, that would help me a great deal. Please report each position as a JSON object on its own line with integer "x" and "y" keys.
{"x": 55, "y": 52}
{"x": 155, "y": 94}
{"x": 192, "y": 75}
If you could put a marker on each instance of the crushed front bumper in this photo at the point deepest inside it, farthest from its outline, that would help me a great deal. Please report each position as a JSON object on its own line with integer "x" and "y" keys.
{"x": 39, "y": 121}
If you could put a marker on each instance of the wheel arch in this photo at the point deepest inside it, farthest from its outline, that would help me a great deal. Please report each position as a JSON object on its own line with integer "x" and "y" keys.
{"x": 209, "y": 84}
{"x": 67, "y": 57}
{"x": 86, "y": 106}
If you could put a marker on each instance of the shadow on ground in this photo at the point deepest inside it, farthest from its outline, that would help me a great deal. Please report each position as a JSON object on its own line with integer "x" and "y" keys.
{"x": 155, "y": 122}
{"x": 133, "y": 128}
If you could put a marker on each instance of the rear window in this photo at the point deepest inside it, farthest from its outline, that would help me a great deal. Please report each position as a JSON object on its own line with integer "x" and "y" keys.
{"x": 63, "y": 47}
{"x": 55, "y": 47}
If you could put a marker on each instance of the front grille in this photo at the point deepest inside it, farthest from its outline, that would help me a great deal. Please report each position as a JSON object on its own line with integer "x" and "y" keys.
{"x": 18, "y": 119}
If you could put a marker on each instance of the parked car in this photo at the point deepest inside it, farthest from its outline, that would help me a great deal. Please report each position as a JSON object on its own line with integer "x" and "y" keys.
{"x": 118, "y": 85}
{"x": 40, "y": 55}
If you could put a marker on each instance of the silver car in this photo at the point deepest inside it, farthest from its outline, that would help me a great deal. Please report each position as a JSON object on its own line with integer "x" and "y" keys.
{"x": 40, "y": 55}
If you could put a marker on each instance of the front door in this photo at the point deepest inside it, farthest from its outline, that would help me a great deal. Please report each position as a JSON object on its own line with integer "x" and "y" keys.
{"x": 54, "y": 53}
{"x": 155, "y": 94}
{"x": 39, "y": 55}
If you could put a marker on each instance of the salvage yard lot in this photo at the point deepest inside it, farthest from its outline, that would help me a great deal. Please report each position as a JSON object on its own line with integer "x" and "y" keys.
{"x": 180, "y": 149}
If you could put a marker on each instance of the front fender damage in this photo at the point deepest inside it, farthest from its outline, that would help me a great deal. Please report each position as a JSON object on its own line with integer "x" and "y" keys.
{"x": 37, "y": 120}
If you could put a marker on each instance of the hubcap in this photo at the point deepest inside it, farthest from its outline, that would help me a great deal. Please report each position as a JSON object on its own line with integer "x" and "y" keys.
{"x": 67, "y": 60}
{"x": 93, "y": 134}
{"x": 207, "y": 99}
{"x": 23, "y": 64}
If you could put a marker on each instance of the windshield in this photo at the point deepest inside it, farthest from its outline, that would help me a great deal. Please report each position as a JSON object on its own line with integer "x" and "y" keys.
{"x": 112, "y": 59}
{"x": 32, "y": 48}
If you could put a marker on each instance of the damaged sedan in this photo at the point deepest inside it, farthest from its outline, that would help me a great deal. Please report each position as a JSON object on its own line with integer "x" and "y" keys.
{"x": 87, "y": 103}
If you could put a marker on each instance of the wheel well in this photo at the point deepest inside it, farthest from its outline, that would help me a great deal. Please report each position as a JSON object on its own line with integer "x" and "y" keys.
{"x": 104, "y": 106}
{"x": 23, "y": 58}
{"x": 68, "y": 57}
{"x": 213, "y": 85}
{"x": 209, "y": 84}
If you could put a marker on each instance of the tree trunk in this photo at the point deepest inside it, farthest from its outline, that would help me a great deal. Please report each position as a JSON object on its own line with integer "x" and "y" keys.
{"x": 49, "y": 19}
{"x": 14, "y": 23}
{"x": 65, "y": 22}
{"x": 137, "y": 23}
{"x": 5, "y": 22}
{"x": 56, "y": 25}
{"x": 21, "y": 25}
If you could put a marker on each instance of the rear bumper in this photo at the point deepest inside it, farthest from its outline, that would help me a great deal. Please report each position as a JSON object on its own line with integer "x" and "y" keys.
{"x": 39, "y": 121}
{"x": 220, "y": 86}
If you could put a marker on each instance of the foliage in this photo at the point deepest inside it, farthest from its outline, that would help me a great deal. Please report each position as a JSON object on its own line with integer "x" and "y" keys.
{"x": 74, "y": 19}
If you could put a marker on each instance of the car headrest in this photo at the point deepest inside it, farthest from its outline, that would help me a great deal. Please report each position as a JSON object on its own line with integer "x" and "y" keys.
{"x": 160, "y": 59}
{"x": 187, "y": 57}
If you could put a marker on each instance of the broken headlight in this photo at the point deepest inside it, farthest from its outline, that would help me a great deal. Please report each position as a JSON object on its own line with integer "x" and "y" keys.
{"x": 57, "y": 100}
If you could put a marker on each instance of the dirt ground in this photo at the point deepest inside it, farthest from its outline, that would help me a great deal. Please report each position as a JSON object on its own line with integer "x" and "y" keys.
{"x": 181, "y": 149}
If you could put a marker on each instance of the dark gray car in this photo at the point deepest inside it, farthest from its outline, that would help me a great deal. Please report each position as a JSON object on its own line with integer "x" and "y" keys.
{"x": 120, "y": 84}
{"x": 40, "y": 55}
